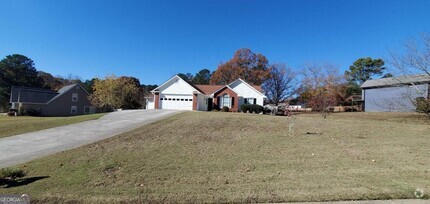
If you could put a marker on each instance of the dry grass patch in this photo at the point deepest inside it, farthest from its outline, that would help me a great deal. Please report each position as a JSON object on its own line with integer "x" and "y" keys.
{"x": 227, "y": 157}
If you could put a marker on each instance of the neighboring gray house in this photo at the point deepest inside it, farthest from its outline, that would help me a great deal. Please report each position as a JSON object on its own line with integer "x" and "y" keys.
{"x": 69, "y": 100}
{"x": 394, "y": 94}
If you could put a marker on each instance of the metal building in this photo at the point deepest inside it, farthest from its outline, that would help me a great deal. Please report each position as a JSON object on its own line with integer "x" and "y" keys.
{"x": 394, "y": 94}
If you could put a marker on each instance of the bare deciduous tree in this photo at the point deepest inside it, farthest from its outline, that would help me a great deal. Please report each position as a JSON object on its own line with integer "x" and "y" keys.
{"x": 322, "y": 86}
{"x": 281, "y": 83}
{"x": 415, "y": 60}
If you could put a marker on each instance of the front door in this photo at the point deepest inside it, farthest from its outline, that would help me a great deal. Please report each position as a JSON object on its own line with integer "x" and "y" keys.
{"x": 210, "y": 104}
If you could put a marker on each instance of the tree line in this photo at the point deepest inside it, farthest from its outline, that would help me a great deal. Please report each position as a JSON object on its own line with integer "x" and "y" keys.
{"x": 316, "y": 84}
{"x": 321, "y": 84}
{"x": 19, "y": 70}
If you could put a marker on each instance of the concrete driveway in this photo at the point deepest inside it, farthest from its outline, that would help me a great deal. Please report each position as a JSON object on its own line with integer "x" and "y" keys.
{"x": 28, "y": 146}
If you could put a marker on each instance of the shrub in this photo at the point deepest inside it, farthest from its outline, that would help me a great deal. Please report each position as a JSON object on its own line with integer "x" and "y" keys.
{"x": 11, "y": 173}
{"x": 245, "y": 107}
{"x": 422, "y": 105}
{"x": 251, "y": 108}
{"x": 256, "y": 108}
{"x": 225, "y": 109}
{"x": 29, "y": 111}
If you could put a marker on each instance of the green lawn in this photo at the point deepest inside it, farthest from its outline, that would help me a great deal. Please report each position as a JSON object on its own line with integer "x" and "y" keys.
{"x": 236, "y": 157}
{"x": 16, "y": 125}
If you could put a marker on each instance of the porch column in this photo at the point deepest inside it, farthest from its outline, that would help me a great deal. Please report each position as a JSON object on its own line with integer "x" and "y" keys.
{"x": 156, "y": 100}
{"x": 195, "y": 101}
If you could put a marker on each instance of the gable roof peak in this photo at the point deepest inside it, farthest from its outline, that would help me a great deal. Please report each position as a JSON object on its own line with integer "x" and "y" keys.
{"x": 178, "y": 77}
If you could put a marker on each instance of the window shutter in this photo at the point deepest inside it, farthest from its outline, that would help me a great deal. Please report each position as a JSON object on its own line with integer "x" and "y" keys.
{"x": 232, "y": 102}
{"x": 255, "y": 101}
{"x": 246, "y": 101}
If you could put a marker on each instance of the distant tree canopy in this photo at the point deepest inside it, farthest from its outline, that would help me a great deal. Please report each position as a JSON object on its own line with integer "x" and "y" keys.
{"x": 48, "y": 81}
{"x": 148, "y": 88}
{"x": 116, "y": 92}
{"x": 365, "y": 69}
{"x": 88, "y": 85}
{"x": 187, "y": 77}
{"x": 245, "y": 64}
{"x": 201, "y": 77}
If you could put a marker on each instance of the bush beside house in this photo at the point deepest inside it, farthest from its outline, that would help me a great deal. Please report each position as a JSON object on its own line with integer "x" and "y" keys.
{"x": 251, "y": 108}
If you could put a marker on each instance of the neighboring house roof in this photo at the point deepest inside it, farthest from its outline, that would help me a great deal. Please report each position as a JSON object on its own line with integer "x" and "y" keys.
{"x": 393, "y": 81}
{"x": 179, "y": 78}
{"x": 222, "y": 89}
{"x": 38, "y": 95}
{"x": 65, "y": 89}
{"x": 209, "y": 89}
{"x": 148, "y": 95}
{"x": 256, "y": 88}
{"x": 354, "y": 98}
{"x": 31, "y": 95}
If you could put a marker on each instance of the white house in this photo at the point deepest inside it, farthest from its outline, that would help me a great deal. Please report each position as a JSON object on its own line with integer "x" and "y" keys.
{"x": 177, "y": 93}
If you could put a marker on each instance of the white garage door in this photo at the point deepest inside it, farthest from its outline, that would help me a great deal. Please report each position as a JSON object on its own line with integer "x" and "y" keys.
{"x": 176, "y": 102}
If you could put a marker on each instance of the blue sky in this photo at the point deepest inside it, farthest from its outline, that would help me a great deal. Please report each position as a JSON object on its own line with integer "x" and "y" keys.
{"x": 153, "y": 40}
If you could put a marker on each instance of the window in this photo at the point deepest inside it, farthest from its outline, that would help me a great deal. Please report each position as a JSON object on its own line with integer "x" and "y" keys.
{"x": 161, "y": 98}
{"x": 89, "y": 109}
{"x": 182, "y": 99}
{"x": 74, "y": 110}
{"x": 186, "y": 99}
{"x": 249, "y": 100}
{"x": 86, "y": 109}
{"x": 224, "y": 101}
{"x": 74, "y": 97}
{"x": 191, "y": 99}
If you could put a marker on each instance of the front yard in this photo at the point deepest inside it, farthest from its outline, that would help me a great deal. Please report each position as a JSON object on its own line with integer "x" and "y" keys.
{"x": 236, "y": 157}
{"x": 21, "y": 124}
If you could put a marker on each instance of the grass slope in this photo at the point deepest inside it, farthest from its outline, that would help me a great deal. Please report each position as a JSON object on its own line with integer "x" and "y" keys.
{"x": 17, "y": 125}
{"x": 228, "y": 157}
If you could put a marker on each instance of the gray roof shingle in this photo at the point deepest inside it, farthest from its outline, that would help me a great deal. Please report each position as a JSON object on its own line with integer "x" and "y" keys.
{"x": 31, "y": 95}
{"x": 393, "y": 81}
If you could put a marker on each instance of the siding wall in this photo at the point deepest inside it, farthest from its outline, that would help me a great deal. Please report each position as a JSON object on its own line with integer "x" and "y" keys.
{"x": 393, "y": 99}
{"x": 177, "y": 86}
{"x": 245, "y": 91}
{"x": 61, "y": 106}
